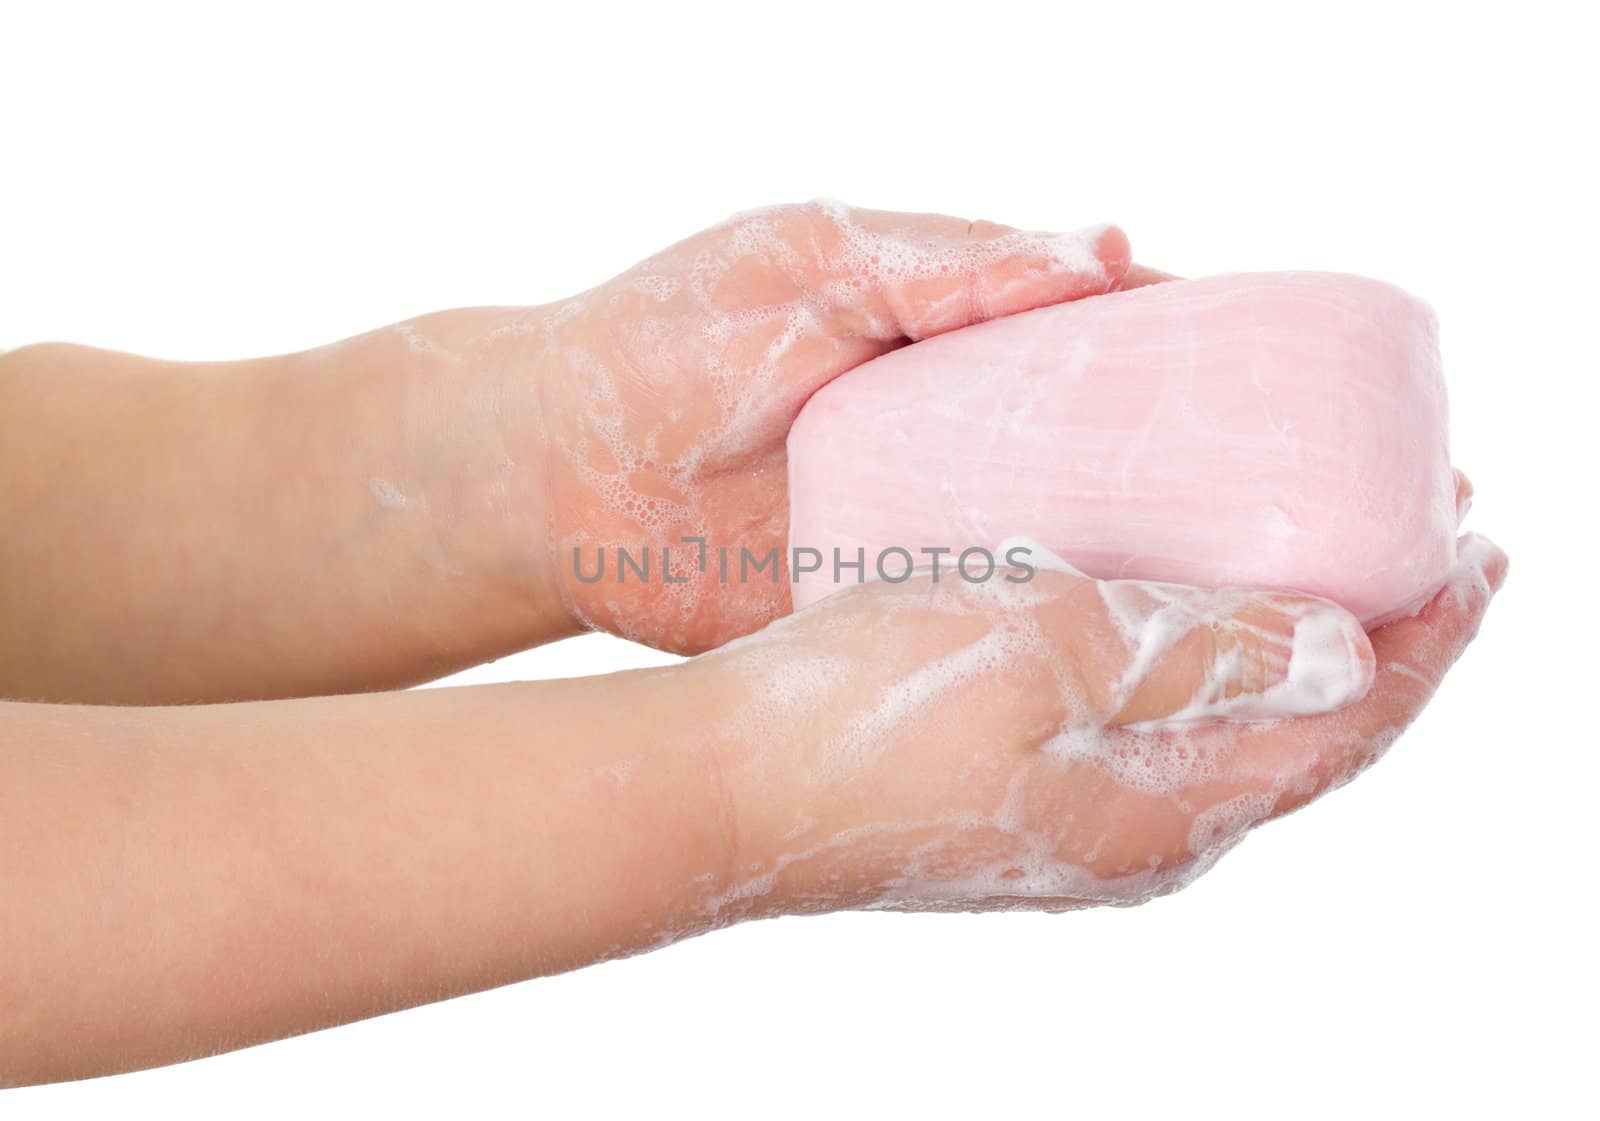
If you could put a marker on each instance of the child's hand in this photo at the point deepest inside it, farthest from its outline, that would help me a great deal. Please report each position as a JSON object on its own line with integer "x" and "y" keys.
{"x": 1012, "y": 745}
{"x": 401, "y": 504}
{"x": 667, "y": 393}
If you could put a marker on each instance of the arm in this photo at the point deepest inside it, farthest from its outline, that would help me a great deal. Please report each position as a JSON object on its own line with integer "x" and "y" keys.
{"x": 349, "y": 518}
{"x": 174, "y": 881}
{"x": 399, "y": 505}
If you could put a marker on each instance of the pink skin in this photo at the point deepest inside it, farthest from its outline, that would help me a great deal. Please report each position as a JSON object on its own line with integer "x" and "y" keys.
{"x": 200, "y": 876}
{"x": 1026, "y": 781}
{"x": 667, "y": 392}
{"x": 453, "y": 463}
{"x": 191, "y": 878}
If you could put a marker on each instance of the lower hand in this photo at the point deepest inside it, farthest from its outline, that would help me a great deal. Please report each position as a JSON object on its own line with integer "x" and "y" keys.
{"x": 1013, "y": 746}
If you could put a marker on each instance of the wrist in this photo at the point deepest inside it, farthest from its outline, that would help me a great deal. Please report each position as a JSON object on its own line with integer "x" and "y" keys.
{"x": 491, "y": 465}
{"x": 466, "y": 446}
{"x": 795, "y": 841}
{"x": 399, "y": 478}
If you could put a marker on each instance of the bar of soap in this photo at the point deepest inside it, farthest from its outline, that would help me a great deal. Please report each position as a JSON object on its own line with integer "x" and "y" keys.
{"x": 1275, "y": 430}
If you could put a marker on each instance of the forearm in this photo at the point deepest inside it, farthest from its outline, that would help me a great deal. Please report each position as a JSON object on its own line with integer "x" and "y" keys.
{"x": 174, "y": 881}
{"x": 364, "y": 515}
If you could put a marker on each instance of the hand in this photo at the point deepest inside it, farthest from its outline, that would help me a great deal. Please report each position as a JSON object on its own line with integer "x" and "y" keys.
{"x": 398, "y": 505}
{"x": 667, "y": 393}
{"x": 901, "y": 746}
{"x": 1033, "y": 746}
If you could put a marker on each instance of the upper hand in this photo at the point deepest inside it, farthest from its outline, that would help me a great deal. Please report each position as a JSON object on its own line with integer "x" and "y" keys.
{"x": 668, "y": 392}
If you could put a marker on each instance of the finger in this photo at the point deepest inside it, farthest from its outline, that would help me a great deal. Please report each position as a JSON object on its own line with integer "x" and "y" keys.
{"x": 1463, "y": 495}
{"x": 1141, "y": 276}
{"x": 1193, "y": 789}
{"x": 1309, "y": 755}
{"x": 1413, "y": 654}
{"x": 888, "y": 275}
{"x": 1183, "y": 655}
{"x": 1190, "y": 665}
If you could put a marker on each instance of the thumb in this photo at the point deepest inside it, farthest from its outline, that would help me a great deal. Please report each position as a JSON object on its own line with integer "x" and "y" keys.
{"x": 1191, "y": 654}
{"x": 887, "y": 275}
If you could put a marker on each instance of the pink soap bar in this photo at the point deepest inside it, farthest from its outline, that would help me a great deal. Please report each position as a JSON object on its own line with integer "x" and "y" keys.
{"x": 1280, "y": 430}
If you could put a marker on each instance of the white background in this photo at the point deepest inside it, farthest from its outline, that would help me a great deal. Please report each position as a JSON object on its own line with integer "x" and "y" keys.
{"x": 218, "y": 181}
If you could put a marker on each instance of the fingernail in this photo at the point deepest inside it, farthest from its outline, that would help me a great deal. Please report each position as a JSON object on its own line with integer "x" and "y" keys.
{"x": 1330, "y": 665}
{"x": 1463, "y": 496}
{"x": 1479, "y": 560}
{"x": 1093, "y": 249}
{"x": 1113, "y": 251}
{"x": 1274, "y": 659}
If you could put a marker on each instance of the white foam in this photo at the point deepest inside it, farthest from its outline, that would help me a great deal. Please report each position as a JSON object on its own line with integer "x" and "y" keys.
{"x": 386, "y": 494}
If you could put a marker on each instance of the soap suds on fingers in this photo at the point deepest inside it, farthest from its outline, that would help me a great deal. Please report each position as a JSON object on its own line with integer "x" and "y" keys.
{"x": 958, "y": 664}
